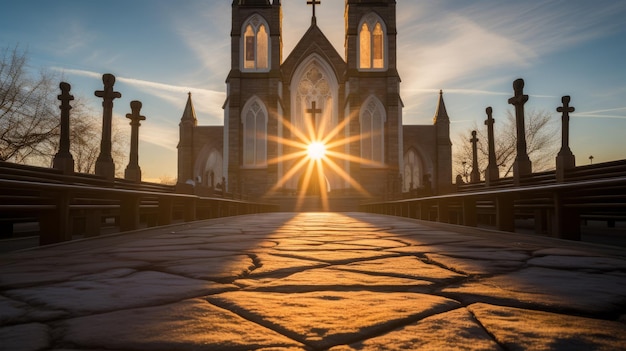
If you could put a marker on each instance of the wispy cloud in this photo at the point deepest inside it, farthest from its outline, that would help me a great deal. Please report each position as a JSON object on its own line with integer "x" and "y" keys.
{"x": 601, "y": 113}
{"x": 205, "y": 101}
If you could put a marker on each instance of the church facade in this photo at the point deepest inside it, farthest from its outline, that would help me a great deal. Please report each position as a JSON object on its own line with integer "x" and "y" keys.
{"x": 275, "y": 108}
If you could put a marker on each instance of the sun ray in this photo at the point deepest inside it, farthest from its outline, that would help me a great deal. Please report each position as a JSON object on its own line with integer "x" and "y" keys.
{"x": 333, "y": 133}
{"x": 352, "y": 158}
{"x": 344, "y": 141}
{"x": 346, "y": 177}
{"x": 298, "y": 134}
{"x": 289, "y": 142}
{"x": 287, "y": 157}
{"x": 305, "y": 184}
{"x": 323, "y": 189}
{"x": 294, "y": 169}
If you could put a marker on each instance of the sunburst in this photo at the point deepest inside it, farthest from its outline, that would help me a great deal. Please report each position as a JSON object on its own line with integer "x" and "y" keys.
{"x": 317, "y": 152}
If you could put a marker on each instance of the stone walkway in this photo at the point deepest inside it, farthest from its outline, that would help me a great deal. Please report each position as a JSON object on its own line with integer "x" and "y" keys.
{"x": 314, "y": 281}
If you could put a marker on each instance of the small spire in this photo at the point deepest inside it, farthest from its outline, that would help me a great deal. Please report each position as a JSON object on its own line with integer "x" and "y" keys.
{"x": 441, "y": 115}
{"x": 190, "y": 112}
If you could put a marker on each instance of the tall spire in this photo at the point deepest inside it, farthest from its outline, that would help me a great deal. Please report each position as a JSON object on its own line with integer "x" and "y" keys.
{"x": 190, "y": 113}
{"x": 441, "y": 115}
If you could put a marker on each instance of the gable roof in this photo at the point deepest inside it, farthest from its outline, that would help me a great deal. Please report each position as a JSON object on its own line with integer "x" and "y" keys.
{"x": 314, "y": 41}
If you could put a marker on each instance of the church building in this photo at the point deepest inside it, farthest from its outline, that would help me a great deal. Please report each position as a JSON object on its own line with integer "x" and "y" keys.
{"x": 277, "y": 109}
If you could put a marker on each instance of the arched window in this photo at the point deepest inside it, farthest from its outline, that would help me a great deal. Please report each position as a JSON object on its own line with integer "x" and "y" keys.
{"x": 256, "y": 51}
{"x": 254, "y": 120}
{"x": 372, "y": 132}
{"x": 372, "y": 43}
{"x": 412, "y": 171}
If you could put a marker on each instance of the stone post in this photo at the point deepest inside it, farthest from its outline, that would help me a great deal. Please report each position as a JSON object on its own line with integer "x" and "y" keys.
{"x": 492, "y": 173}
{"x": 104, "y": 164}
{"x": 565, "y": 158}
{"x": 63, "y": 160}
{"x": 522, "y": 165}
{"x": 475, "y": 175}
{"x": 133, "y": 172}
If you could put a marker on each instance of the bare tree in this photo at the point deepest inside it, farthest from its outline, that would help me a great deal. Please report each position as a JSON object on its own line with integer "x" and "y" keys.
{"x": 27, "y": 115}
{"x": 541, "y": 139}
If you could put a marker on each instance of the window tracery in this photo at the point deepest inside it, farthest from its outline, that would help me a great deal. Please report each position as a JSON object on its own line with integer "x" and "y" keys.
{"x": 372, "y": 44}
{"x": 255, "y": 45}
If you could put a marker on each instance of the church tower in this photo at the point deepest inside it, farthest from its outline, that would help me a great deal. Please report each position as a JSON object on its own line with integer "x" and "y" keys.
{"x": 253, "y": 88}
{"x": 374, "y": 103}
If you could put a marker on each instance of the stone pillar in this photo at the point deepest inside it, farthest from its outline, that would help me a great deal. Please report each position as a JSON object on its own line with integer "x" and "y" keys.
{"x": 565, "y": 158}
{"x": 492, "y": 173}
{"x": 133, "y": 172}
{"x": 522, "y": 165}
{"x": 104, "y": 164}
{"x": 475, "y": 175}
{"x": 63, "y": 160}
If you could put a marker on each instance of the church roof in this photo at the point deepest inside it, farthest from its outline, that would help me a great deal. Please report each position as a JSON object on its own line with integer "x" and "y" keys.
{"x": 314, "y": 41}
{"x": 441, "y": 115}
{"x": 190, "y": 113}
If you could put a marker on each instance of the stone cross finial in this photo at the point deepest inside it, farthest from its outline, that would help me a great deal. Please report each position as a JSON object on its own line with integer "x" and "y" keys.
{"x": 313, "y": 3}
{"x": 522, "y": 165}
{"x": 133, "y": 171}
{"x": 565, "y": 158}
{"x": 104, "y": 164}
{"x": 475, "y": 175}
{"x": 313, "y": 111}
{"x": 492, "y": 172}
{"x": 565, "y": 109}
{"x": 63, "y": 160}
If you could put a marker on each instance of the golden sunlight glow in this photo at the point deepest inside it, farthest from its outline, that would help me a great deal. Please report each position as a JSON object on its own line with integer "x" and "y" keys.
{"x": 313, "y": 154}
{"x": 316, "y": 150}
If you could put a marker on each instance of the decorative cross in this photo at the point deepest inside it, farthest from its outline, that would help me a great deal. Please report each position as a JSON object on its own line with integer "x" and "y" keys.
{"x": 565, "y": 158}
{"x": 313, "y": 111}
{"x": 104, "y": 164}
{"x": 475, "y": 175}
{"x": 313, "y": 3}
{"x": 65, "y": 99}
{"x": 565, "y": 109}
{"x": 135, "y": 117}
{"x": 492, "y": 168}
{"x": 65, "y": 96}
{"x": 522, "y": 164}
{"x": 63, "y": 159}
{"x": 133, "y": 172}
{"x": 108, "y": 94}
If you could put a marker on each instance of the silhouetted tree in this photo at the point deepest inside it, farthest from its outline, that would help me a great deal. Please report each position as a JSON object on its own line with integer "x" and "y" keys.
{"x": 28, "y": 114}
{"x": 542, "y": 139}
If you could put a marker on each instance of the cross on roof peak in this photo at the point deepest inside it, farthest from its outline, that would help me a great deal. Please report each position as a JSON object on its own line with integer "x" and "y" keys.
{"x": 313, "y": 3}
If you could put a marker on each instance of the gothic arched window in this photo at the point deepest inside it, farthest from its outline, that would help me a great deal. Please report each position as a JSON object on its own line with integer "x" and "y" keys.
{"x": 254, "y": 120}
{"x": 256, "y": 50}
{"x": 412, "y": 171}
{"x": 372, "y": 132}
{"x": 372, "y": 43}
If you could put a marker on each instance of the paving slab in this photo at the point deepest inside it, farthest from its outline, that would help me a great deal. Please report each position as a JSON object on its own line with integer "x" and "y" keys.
{"x": 314, "y": 281}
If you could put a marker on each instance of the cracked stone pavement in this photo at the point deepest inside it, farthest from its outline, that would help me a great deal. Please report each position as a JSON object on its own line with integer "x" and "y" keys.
{"x": 314, "y": 281}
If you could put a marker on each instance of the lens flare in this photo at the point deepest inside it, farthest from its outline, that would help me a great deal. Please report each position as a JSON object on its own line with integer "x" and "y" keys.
{"x": 316, "y": 150}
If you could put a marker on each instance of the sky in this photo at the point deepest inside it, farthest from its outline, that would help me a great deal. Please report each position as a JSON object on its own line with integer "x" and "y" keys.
{"x": 160, "y": 50}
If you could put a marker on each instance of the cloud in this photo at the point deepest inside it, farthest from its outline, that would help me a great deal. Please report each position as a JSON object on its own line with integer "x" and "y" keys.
{"x": 205, "y": 101}
{"x": 600, "y": 113}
